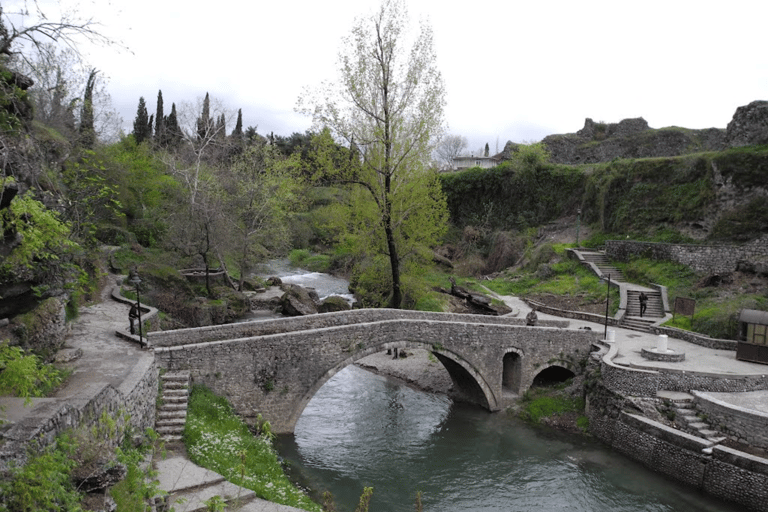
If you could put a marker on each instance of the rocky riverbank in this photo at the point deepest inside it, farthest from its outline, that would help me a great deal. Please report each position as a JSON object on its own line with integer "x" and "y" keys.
{"x": 419, "y": 369}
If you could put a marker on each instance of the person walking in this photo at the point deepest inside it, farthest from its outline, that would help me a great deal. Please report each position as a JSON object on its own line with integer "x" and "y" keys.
{"x": 643, "y": 303}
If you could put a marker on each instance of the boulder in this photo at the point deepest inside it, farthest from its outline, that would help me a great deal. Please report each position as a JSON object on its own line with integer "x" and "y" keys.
{"x": 297, "y": 301}
{"x": 334, "y": 303}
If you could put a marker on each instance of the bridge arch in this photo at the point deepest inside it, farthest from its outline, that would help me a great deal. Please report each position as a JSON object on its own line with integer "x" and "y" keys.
{"x": 512, "y": 370}
{"x": 468, "y": 380}
{"x": 553, "y": 373}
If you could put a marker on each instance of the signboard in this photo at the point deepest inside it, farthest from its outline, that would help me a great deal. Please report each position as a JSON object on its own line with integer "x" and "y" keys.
{"x": 684, "y": 306}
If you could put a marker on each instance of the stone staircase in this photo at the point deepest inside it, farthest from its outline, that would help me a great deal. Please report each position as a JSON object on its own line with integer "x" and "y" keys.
{"x": 687, "y": 416}
{"x": 172, "y": 413}
{"x": 603, "y": 264}
{"x": 654, "y": 311}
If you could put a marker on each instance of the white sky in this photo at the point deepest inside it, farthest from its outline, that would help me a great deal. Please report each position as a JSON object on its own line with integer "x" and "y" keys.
{"x": 513, "y": 70}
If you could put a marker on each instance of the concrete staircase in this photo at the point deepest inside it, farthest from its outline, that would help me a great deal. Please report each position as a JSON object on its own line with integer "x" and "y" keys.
{"x": 172, "y": 413}
{"x": 688, "y": 417}
{"x": 603, "y": 265}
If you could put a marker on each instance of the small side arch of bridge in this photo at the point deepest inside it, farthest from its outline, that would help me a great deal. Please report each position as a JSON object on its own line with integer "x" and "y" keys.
{"x": 276, "y": 368}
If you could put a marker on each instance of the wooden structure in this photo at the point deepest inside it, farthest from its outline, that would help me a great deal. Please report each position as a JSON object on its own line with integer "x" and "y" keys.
{"x": 753, "y": 336}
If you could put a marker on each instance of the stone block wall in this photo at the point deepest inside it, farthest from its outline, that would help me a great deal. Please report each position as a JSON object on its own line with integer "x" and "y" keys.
{"x": 725, "y": 473}
{"x": 746, "y": 425}
{"x": 136, "y": 397}
{"x": 639, "y": 382}
{"x": 714, "y": 259}
{"x": 695, "y": 338}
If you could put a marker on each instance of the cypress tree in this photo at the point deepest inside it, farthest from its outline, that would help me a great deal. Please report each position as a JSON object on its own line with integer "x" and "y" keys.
{"x": 141, "y": 123}
{"x": 204, "y": 122}
{"x": 237, "y": 133}
{"x": 87, "y": 131}
{"x": 159, "y": 120}
{"x": 172, "y": 129}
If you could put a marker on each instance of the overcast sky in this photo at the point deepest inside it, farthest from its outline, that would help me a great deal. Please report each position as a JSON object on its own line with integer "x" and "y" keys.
{"x": 513, "y": 70}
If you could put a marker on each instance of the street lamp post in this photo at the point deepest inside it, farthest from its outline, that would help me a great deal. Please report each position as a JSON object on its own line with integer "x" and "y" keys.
{"x": 136, "y": 281}
{"x": 607, "y": 297}
{"x": 578, "y": 224}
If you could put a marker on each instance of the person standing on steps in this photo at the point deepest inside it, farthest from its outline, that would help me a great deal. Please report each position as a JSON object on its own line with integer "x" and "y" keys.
{"x": 643, "y": 303}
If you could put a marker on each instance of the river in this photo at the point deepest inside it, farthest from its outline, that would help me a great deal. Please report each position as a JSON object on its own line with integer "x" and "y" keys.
{"x": 362, "y": 429}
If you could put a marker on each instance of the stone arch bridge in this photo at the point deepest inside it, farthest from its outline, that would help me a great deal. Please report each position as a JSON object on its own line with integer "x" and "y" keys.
{"x": 274, "y": 367}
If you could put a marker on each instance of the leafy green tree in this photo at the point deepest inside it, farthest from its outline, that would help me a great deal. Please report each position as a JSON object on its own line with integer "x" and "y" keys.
{"x": 96, "y": 196}
{"x": 143, "y": 186}
{"x": 262, "y": 194}
{"x": 42, "y": 238}
{"x": 141, "y": 123}
{"x": 389, "y": 102}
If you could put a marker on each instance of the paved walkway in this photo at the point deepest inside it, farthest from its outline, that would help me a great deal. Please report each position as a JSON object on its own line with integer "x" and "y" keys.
{"x": 108, "y": 359}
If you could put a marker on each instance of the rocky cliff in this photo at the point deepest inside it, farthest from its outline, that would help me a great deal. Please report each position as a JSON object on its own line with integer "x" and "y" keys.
{"x": 633, "y": 138}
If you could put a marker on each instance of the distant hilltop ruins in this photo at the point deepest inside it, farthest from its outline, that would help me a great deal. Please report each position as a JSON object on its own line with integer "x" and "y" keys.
{"x": 633, "y": 138}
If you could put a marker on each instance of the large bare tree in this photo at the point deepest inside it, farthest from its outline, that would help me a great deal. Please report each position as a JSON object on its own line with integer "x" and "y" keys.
{"x": 388, "y": 105}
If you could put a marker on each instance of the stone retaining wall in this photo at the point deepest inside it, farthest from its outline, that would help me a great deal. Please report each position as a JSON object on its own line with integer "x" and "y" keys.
{"x": 641, "y": 382}
{"x": 136, "y": 396}
{"x": 745, "y": 425}
{"x": 321, "y": 321}
{"x": 725, "y": 473}
{"x": 714, "y": 259}
{"x": 695, "y": 338}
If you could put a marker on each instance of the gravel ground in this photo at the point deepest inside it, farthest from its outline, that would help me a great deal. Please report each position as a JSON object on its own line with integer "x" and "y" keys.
{"x": 417, "y": 370}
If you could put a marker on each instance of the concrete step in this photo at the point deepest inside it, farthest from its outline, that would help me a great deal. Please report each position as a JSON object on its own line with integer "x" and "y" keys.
{"x": 174, "y": 430}
{"x": 708, "y": 432}
{"x": 178, "y": 413}
{"x": 175, "y": 384}
{"x": 175, "y": 393}
{"x": 171, "y": 422}
{"x": 194, "y": 500}
{"x": 168, "y": 407}
{"x": 699, "y": 425}
{"x": 175, "y": 399}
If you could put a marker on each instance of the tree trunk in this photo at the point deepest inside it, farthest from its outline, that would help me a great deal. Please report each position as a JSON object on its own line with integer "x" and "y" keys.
{"x": 394, "y": 263}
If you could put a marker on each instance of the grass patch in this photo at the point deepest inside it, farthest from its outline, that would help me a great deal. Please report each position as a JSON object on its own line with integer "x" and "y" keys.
{"x": 218, "y": 440}
{"x": 538, "y": 404}
{"x": 313, "y": 262}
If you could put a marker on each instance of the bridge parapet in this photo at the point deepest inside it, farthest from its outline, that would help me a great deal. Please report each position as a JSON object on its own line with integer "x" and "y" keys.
{"x": 320, "y": 321}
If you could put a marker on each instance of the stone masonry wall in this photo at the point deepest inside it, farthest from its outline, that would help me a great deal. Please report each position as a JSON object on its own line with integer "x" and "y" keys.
{"x": 722, "y": 472}
{"x": 639, "y": 382}
{"x": 136, "y": 397}
{"x": 725, "y": 473}
{"x": 715, "y": 259}
{"x": 745, "y": 425}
